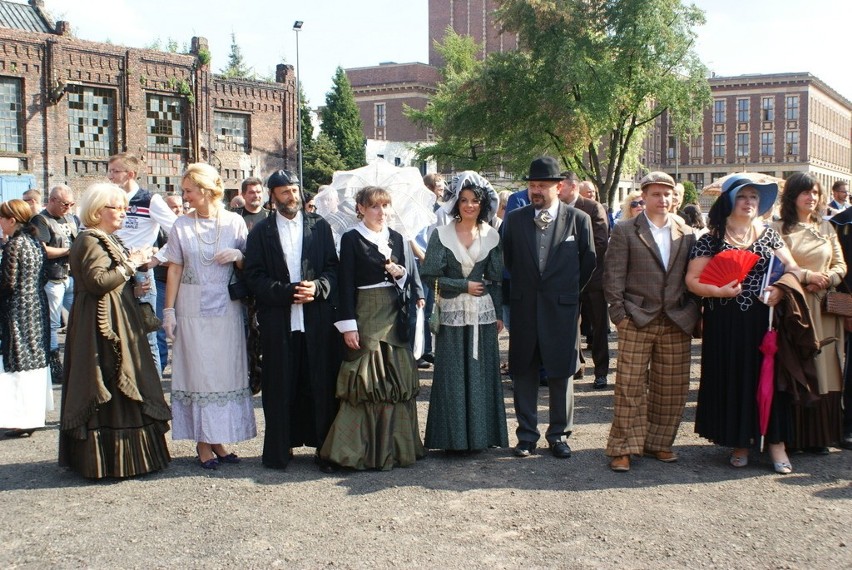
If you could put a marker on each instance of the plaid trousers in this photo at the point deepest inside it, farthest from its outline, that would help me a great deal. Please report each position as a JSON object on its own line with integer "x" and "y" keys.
{"x": 651, "y": 385}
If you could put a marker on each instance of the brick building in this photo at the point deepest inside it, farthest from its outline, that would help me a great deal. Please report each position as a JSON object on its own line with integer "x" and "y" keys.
{"x": 775, "y": 124}
{"x": 67, "y": 104}
{"x": 382, "y": 91}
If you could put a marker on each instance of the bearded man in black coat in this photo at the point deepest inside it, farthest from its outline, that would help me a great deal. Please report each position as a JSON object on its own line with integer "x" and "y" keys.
{"x": 291, "y": 268}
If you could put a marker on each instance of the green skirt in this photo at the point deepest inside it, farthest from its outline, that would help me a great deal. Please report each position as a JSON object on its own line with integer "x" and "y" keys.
{"x": 376, "y": 425}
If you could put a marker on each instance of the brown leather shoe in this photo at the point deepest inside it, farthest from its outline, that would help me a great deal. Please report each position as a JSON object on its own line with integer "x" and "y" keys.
{"x": 620, "y": 464}
{"x": 664, "y": 456}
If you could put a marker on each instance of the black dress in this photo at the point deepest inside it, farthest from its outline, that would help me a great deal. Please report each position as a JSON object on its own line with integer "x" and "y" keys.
{"x": 730, "y": 357}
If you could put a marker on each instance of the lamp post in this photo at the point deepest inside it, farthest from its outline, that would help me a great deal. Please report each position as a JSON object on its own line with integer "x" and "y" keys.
{"x": 297, "y": 27}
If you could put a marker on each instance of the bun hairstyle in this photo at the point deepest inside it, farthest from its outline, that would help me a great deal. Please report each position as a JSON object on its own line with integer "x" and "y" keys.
{"x": 208, "y": 181}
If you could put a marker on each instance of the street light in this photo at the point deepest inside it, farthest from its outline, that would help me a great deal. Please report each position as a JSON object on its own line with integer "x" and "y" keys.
{"x": 297, "y": 27}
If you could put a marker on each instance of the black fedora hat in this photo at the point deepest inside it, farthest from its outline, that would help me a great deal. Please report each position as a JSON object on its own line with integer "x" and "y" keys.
{"x": 544, "y": 168}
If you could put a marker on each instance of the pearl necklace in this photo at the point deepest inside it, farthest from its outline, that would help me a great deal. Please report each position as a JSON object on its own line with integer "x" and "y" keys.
{"x": 207, "y": 260}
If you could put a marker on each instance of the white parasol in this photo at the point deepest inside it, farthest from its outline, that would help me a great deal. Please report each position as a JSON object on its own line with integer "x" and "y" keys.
{"x": 412, "y": 203}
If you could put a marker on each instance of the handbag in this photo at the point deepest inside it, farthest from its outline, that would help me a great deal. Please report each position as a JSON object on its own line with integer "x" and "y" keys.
{"x": 435, "y": 317}
{"x": 837, "y": 303}
{"x": 237, "y": 287}
{"x": 150, "y": 322}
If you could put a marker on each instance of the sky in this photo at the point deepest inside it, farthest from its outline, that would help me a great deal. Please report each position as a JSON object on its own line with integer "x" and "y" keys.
{"x": 740, "y": 36}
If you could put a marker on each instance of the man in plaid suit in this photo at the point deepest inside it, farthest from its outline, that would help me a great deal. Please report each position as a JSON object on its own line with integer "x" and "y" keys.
{"x": 655, "y": 316}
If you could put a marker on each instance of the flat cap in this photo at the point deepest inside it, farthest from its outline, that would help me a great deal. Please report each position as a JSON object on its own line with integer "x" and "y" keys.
{"x": 657, "y": 177}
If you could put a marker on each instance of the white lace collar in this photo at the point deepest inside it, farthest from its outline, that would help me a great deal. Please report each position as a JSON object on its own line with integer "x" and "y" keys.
{"x": 380, "y": 239}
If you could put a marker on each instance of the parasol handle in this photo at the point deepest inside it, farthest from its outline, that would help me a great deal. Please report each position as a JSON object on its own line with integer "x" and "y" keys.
{"x": 771, "y": 309}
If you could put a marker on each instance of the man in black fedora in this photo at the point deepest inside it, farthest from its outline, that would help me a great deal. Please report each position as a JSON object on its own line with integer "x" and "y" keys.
{"x": 549, "y": 250}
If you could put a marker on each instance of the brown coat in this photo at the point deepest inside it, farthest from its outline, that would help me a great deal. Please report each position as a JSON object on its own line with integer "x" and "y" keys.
{"x": 795, "y": 364}
{"x": 636, "y": 284}
{"x": 600, "y": 233}
{"x": 107, "y": 354}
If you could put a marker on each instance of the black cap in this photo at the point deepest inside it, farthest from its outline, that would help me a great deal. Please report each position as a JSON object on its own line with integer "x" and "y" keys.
{"x": 282, "y": 178}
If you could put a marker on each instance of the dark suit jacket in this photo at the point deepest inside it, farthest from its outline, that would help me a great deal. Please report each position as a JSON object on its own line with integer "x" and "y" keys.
{"x": 636, "y": 284}
{"x": 600, "y": 232}
{"x": 545, "y": 306}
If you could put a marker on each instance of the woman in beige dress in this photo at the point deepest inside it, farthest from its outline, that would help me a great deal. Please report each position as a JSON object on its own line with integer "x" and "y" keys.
{"x": 813, "y": 244}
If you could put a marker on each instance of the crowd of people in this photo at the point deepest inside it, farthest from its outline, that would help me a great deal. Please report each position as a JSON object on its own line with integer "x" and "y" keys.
{"x": 260, "y": 296}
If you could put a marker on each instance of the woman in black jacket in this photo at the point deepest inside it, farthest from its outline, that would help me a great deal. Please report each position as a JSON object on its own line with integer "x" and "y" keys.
{"x": 376, "y": 426}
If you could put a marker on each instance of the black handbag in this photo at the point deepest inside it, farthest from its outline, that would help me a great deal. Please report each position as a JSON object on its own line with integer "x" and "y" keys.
{"x": 237, "y": 287}
{"x": 150, "y": 322}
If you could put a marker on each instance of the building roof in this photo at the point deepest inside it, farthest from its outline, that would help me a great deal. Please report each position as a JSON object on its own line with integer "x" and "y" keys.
{"x": 766, "y": 79}
{"x": 26, "y": 17}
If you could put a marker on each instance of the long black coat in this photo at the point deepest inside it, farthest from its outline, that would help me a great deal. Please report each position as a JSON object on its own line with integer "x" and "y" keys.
{"x": 545, "y": 305}
{"x": 299, "y": 408}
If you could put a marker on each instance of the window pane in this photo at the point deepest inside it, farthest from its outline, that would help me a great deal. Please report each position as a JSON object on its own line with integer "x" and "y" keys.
{"x": 11, "y": 115}
{"x": 231, "y": 131}
{"x": 91, "y": 123}
{"x": 167, "y": 142}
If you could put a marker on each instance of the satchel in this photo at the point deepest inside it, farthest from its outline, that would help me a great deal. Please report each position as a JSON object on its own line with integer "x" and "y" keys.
{"x": 435, "y": 317}
{"x": 237, "y": 287}
{"x": 837, "y": 303}
{"x": 150, "y": 322}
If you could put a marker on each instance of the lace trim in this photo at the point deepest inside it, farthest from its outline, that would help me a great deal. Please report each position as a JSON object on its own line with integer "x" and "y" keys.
{"x": 466, "y": 310}
{"x": 207, "y": 398}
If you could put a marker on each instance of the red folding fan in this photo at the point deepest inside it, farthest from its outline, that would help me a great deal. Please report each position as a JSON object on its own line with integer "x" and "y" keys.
{"x": 727, "y": 266}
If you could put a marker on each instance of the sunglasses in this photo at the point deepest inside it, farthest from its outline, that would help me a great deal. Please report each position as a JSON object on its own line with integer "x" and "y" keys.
{"x": 637, "y": 203}
{"x": 117, "y": 208}
{"x": 62, "y": 203}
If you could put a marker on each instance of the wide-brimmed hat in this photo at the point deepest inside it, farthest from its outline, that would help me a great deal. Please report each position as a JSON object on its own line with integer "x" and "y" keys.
{"x": 544, "y": 168}
{"x": 282, "y": 178}
{"x": 767, "y": 191}
{"x": 656, "y": 177}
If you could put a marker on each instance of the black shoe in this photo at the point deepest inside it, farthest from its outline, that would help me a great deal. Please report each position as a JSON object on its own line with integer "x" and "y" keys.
{"x": 846, "y": 442}
{"x": 422, "y": 364}
{"x": 579, "y": 374}
{"x": 560, "y": 449}
{"x": 524, "y": 449}
{"x": 599, "y": 383}
{"x": 429, "y": 357}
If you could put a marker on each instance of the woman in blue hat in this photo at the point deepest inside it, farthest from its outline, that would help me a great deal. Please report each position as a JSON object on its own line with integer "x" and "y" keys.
{"x": 735, "y": 321}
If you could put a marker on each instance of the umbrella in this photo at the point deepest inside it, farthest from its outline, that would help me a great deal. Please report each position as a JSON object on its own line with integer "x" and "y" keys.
{"x": 769, "y": 346}
{"x": 713, "y": 189}
{"x": 412, "y": 204}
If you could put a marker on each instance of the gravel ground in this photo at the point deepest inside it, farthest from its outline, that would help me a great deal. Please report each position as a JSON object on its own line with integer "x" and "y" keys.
{"x": 486, "y": 511}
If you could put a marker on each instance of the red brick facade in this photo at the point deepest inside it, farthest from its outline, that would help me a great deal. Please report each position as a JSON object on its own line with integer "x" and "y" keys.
{"x": 82, "y": 101}
{"x": 474, "y": 18}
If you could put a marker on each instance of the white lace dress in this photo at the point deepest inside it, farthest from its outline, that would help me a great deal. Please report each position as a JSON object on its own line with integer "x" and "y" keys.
{"x": 211, "y": 399}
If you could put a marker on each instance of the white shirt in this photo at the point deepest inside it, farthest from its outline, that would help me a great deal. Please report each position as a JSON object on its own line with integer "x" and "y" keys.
{"x": 141, "y": 226}
{"x": 662, "y": 237}
{"x": 290, "y": 233}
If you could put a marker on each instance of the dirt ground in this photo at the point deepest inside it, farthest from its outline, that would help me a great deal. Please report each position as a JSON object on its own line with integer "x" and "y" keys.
{"x": 486, "y": 511}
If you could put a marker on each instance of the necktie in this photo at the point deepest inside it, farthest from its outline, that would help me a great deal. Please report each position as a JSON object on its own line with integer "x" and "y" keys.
{"x": 543, "y": 219}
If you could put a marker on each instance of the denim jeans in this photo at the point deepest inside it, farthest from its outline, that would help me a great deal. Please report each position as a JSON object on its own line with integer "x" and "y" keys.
{"x": 60, "y": 293}
{"x": 162, "y": 345}
{"x": 150, "y": 297}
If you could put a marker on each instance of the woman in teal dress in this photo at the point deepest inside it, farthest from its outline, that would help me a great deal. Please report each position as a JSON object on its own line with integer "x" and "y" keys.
{"x": 466, "y": 408}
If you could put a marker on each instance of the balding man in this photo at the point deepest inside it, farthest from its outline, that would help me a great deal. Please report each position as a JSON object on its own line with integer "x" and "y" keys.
{"x": 57, "y": 227}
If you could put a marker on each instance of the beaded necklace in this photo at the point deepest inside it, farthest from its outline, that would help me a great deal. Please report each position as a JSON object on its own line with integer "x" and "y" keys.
{"x": 207, "y": 259}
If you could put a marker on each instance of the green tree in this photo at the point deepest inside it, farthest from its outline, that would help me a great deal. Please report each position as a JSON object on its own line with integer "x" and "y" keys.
{"x": 341, "y": 122}
{"x": 589, "y": 79}
{"x": 236, "y": 68}
{"x": 319, "y": 162}
{"x": 307, "y": 125}
{"x": 690, "y": 194}
{"x": 461, "y": 144}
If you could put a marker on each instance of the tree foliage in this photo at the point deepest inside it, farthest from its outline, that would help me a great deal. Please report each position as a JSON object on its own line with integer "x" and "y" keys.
{"x": 341, "y": 122}
{"x": 690, "y": 194}
{"x": 307, "y": 124}
{"x": 589, "y": 79}
{"x": 236, "y": 68}
{"x": 319, "y": 162}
